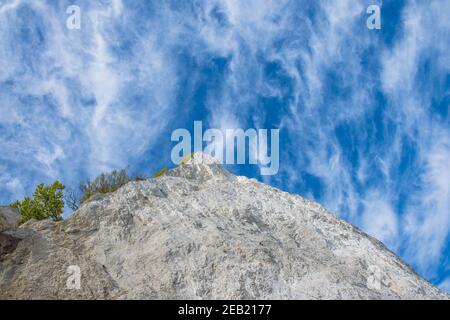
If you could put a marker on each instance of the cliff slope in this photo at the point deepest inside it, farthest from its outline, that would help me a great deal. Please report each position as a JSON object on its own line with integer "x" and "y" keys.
{"x": 199, "y": 232}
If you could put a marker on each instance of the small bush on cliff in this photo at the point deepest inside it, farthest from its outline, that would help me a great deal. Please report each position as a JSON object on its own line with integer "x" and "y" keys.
{"x": 72, "y": 198}
{"x": 160, "y": 172}
{"x": 47, "y": 203}
{"x": 104, "y": 183}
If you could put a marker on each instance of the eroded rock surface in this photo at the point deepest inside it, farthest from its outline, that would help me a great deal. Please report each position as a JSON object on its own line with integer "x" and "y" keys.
{"x": 9, "y": 218}
{"x": 199, "y": 232}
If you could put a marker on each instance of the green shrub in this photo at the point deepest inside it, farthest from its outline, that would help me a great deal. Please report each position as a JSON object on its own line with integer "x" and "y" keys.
{"x": 160, "y": 172}
{"x": 47, "y": 203}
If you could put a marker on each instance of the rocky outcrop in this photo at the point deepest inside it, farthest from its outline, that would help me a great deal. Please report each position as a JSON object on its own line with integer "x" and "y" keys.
{"x": 199, "y": 232}
{"x": 9, "y": 221}
{"x": 9, "y": 218}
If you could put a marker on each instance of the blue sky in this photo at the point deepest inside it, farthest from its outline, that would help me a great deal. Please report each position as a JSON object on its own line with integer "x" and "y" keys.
{"x": 363, "y": 114}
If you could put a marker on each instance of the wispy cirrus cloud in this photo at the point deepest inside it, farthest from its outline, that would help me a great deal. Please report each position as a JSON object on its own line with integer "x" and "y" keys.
{"x": 413, "y": 74}
{"x": 71, "y": 105}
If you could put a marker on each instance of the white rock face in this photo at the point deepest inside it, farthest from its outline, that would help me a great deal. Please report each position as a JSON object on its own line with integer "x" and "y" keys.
{"x": 200, "y": 232}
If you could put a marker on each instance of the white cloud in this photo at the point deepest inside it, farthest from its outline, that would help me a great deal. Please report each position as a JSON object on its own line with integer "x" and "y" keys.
{"x": 427, "y": 223}
{"x": 445, "y": 285}
{"x": 67, "y": 67}
{"x": 15, "y": 187}
{"x": 380, "y": 220}
{"x": 427, "y": 218}
{"x": 9, "y": 5}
